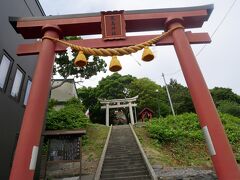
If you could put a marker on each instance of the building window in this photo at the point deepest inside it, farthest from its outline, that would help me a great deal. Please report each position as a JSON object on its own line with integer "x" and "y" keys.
{"x": 17, "y": 84}
{"x": 29, "y": 84}
{"x": 5, "y": 66}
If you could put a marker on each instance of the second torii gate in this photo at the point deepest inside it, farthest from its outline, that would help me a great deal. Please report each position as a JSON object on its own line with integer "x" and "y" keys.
{"x": 24, "y": 162}
{"x": 119, "y": 103}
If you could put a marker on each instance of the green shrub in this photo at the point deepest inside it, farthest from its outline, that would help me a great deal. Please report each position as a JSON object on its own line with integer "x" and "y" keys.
{"x": 71, "y": 116}
{"x": 171, "y": 129}
{"x": 232, "y": 127}
{"x": 185, "y": 129}
{"x": 186, "y": 126}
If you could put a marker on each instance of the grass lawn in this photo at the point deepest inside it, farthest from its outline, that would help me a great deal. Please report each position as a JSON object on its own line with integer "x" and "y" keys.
{"x": 93, "y": 145}
{"x": 179, "y": 154}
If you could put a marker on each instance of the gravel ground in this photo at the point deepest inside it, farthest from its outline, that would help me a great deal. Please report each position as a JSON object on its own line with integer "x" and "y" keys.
{"x": 169, "y": 173}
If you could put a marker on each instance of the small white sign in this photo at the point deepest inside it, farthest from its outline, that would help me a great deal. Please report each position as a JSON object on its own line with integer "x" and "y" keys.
{"x": 33, "y": 161}
{"x": 208, "y": 139}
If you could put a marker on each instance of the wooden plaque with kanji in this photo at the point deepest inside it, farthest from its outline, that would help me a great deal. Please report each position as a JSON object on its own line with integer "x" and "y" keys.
{"x": 113, "y": 25}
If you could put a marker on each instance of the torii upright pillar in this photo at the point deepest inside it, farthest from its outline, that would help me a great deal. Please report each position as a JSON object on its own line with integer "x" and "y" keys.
{"x": 25, "y": 157}
{"x": 219, "y": 148}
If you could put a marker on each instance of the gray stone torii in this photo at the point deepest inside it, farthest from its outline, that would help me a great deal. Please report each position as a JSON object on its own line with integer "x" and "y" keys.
{"x": 118, "y": 103}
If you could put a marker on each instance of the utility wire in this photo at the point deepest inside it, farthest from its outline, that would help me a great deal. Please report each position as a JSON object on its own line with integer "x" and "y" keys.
{"x": 214, "y": 32}
{"x": 218, "y": 26}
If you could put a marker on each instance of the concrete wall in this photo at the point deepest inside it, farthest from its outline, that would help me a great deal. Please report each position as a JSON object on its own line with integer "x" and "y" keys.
{"x": 65, "y": 92}
{"x": 11, "y": 110}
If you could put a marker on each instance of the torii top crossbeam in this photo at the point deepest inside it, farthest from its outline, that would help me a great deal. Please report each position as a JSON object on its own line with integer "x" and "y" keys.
{"x": 90, "y": 23}
{"x": 135, "y": 21}
{"x": 114, "y": 101}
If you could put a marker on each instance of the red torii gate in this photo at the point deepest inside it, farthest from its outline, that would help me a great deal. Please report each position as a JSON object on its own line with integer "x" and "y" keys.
{"x": 144, "y": 20}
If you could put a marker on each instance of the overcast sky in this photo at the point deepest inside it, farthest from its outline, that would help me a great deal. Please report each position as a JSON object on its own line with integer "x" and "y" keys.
{"x": 219, "y": 61}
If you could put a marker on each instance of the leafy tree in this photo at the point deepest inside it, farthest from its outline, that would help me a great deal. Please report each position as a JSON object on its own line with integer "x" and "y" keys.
{"x": 221, "y": 94}
{"x": 90, "y": 101}
{"x": 66, "y": 68}
{"x": 182, "y": 101}
{"x": 71, "y": 116}
{"x": 229, "y": 107}
{"x": 114, "y": 86}
{"x": 150, "y": 95}
{"x": 111, "y": 87}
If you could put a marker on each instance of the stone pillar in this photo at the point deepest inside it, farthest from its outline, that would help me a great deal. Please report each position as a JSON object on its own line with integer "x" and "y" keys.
{"x": 131, "y": 113}
{"x": 25, "y": 157}
{"x": 219, "y": 148}
{"x": 107, "y": 114}
{"x": 135, "y": 112}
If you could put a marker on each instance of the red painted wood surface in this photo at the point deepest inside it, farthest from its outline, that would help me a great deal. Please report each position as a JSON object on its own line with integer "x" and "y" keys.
{"x": 224, "y": 161}
{"x": 194, "y": 38}
{"x": 88, "y": 24}
{"x": 34, "y": 115}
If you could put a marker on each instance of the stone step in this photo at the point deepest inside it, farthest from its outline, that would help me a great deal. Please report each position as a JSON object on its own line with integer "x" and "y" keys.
{"x": 123, "y": 153}
{"x": 120, "y": 151}
{"x": 126, "y": 169}
{"x": 123, "y": 174}
{"x": 125, "y": 156}
{"x": 130, "y": 163}
{"x": 121, "y": 166}
{"x": 123, "y": 159}
{"x": 133, "y": 147}
{"x": 110, "y": 151}
{"x": 130, "y": 158}
{"x": 130, "y": 146}
{"x": 144, "y": 177}
{"x": 125, "y": 147}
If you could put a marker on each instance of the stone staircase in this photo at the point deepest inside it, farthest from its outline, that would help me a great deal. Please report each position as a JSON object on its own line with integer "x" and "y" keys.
{"x": 123, "y": 159}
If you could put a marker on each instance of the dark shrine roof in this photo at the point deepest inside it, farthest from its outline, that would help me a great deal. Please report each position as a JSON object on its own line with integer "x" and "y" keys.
{"x": 146, "y": 109}
{"x": 73, "y": 132}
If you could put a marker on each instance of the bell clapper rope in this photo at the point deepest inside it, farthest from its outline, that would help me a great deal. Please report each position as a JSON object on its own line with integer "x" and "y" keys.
{"x": 134, "y": 58}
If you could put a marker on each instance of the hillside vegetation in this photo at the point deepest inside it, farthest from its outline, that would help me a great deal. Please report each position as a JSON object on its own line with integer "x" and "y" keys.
{"x": 93, "y": 146}
{"x": 151, "y": 95}
{"x": 179, "y": 141}
{"x": 72, "y": 116}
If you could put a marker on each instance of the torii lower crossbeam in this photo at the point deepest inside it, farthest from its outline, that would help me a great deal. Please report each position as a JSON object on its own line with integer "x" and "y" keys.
{"x": 34, "y": 48}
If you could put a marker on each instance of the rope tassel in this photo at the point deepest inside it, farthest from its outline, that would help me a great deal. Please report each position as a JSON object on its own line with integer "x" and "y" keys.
{"x": 80, "y": 60}
{"x": 147, "y": 54}
{"x": 115, "y": 64}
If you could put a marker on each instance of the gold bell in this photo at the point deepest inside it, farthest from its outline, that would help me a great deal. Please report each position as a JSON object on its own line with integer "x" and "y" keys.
{"x": 80, "y": 60}
{"x": 147, "y": 54}
{"x": 115, "y": 64}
